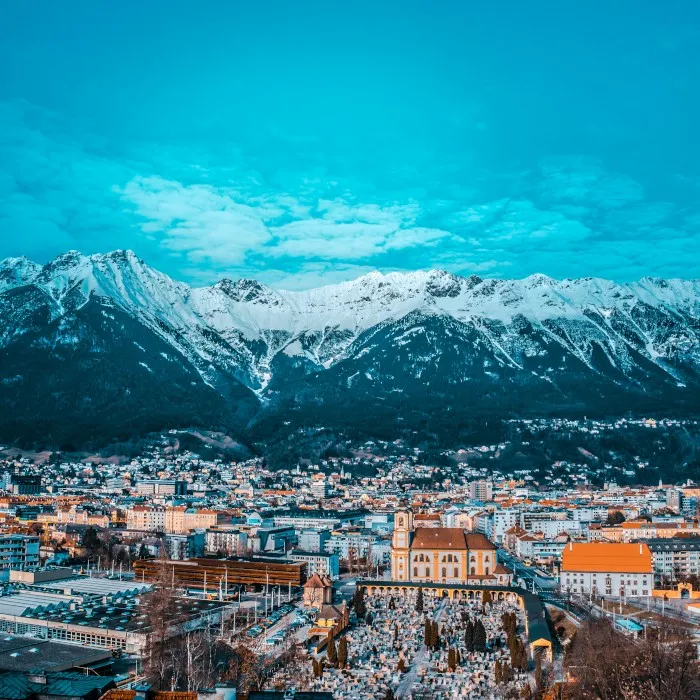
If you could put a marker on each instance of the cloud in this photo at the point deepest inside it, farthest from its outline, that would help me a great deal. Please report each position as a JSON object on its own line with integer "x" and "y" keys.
{"x": 204, "y": 223}
{"x": 518, "y": 223}
{"x": 299, "y": 214}
{"x": 585, "y": 181}
{"x": 220, "y": 226}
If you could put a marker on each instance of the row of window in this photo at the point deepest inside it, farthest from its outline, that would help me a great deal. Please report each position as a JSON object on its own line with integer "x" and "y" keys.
{"x": 472, "y": 571}
{"x": 449, "y": 558}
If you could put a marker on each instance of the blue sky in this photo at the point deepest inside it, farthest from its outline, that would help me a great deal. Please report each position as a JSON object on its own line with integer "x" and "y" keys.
{"x": 309, "y": 142}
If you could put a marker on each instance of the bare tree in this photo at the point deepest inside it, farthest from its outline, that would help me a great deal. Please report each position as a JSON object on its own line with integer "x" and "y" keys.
{"x": 607, "y": 665}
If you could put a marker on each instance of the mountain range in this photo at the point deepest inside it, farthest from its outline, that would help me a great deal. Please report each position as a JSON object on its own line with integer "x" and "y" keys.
{"x": 103, "y": 346}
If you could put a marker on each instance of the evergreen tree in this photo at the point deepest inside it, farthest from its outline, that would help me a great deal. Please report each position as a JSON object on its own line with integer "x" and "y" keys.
{"x": 479, "y": 636}
{"x": 402, "y": 668}
{"x": 519, "y": 655}
{"x": 359, "y": 603}
{"x": 458, "y": 657}
{"x": 427, "y": 633}
{"x": 396, "y": 634}
{"x": 486, "y": 597}
{"x": 331, "y": 651}
{"x": 436, "y": 636}
{"x": 451, "y": 659}
{"x": 539, "y": 677}
{"x": 497, "y": 672}
{"x": 506, "y": 672}
{"x": 369, "y": 619}
{"x": 469, "y": 636}
{"x": 419, "y": 601}
{"x": 342, "y": 652}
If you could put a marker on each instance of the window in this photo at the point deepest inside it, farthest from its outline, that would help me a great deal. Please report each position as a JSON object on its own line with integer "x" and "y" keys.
{"x": 456, "y": 572}
{"x": 444, "y": 571}
{"x": 427, "y": 571}
{"x": 415, "y": 571}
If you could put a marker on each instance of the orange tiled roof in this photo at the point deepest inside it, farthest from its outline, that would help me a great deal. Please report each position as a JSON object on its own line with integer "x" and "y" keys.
{"x": 607, "y": 557}
{"x": 439, "y": 538}
{"x": 449, "y": 538}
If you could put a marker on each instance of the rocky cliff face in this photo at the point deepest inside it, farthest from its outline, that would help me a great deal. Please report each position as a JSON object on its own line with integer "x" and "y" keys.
{"x": 107, "y": 330}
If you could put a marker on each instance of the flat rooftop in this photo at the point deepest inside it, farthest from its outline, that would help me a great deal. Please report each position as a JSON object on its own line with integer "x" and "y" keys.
{"x": 26, "y": 654}
{"x": 81, "y": 585}
{"x": 123, "y": 617}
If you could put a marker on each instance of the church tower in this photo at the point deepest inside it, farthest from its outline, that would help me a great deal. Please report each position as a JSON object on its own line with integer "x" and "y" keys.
{"x": 401, "y": 545}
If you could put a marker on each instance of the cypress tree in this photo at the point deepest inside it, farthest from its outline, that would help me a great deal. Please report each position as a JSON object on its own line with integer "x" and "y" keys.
{"x": 427, "y": 633}
{"x": 419, "y": 601}
{"x": 359, "y": 603}
{"x": 539, "y": 678}
{"x": 331, "y": 651}
{"x": 342, "y": 652}
{"x": 469, "y": 636}
{"x": 436, "y": 636}
{"x": 479, "y": 636}
{"x": 497, "y": 672}
{"x": 451, "y": 660}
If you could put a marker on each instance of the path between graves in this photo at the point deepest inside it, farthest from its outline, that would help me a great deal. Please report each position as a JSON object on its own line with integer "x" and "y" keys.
{"x": 420, "y": 661}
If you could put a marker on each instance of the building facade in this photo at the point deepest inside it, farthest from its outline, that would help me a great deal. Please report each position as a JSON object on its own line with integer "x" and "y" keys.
{"x": 321, "y": 563}
{"x": 442, "y": 555}
{"x": 19, "y": 551}
{"x": 676, "y": 557}
{"x": 607, "y": 569}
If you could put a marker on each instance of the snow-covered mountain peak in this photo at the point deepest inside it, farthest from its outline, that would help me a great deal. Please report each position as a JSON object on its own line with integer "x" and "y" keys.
{"x": 16, "y": 272}
{"x": 383, "y": 331}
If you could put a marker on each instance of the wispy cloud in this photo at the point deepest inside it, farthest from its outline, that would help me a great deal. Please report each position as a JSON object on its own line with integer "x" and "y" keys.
{"x": 298, "y": 220}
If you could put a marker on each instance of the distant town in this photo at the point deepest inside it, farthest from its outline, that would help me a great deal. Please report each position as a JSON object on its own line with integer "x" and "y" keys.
{"x": 387, "y": 573}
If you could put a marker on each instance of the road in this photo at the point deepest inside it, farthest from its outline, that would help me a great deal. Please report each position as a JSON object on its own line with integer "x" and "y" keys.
{"x": 419, "y": 662}
{"x": 534, "y": 578}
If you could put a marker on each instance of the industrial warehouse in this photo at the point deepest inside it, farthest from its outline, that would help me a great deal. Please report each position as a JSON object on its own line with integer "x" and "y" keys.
{"x": 104, "y": 613}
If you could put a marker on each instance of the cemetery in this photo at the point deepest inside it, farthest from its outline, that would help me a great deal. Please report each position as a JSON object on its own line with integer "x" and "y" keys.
{"x": 417, "y": 645}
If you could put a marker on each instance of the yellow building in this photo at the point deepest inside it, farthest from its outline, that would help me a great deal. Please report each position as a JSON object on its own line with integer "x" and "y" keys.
{"x": 443, "y": 555}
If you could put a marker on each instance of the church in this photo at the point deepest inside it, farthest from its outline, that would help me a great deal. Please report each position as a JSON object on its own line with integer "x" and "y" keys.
{"x": 443, "y": 555}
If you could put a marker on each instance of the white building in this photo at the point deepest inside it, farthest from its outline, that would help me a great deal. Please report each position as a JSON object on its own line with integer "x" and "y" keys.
{"x": 320, "y": 563}
{"x": 607, "y": 569}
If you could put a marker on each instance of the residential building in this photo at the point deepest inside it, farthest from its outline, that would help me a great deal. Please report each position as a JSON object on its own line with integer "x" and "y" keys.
{"x": 314, "y": 540}
{"x": 481, "y": 490}
{"x": 675, "y": 557}
{"x": 228, "y": 541}
{"x": 19, "y": 551}
{"x": 161, "y": 487}
{"x": 321, "y": 563}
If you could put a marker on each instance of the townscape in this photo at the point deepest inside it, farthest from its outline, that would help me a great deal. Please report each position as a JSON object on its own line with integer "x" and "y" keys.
{"x": 323, "y": 579}
{"x": 349, "y": 351}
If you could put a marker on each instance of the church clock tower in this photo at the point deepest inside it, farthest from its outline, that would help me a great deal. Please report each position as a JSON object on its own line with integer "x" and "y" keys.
{"x": 401, "y": 545}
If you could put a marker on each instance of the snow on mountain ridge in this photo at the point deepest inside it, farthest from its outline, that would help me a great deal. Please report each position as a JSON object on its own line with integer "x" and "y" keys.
{"x": 242, "y": 325}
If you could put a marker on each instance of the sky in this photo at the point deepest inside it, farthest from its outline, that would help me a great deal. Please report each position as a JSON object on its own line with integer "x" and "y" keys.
{"x": 303, "y": 143}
